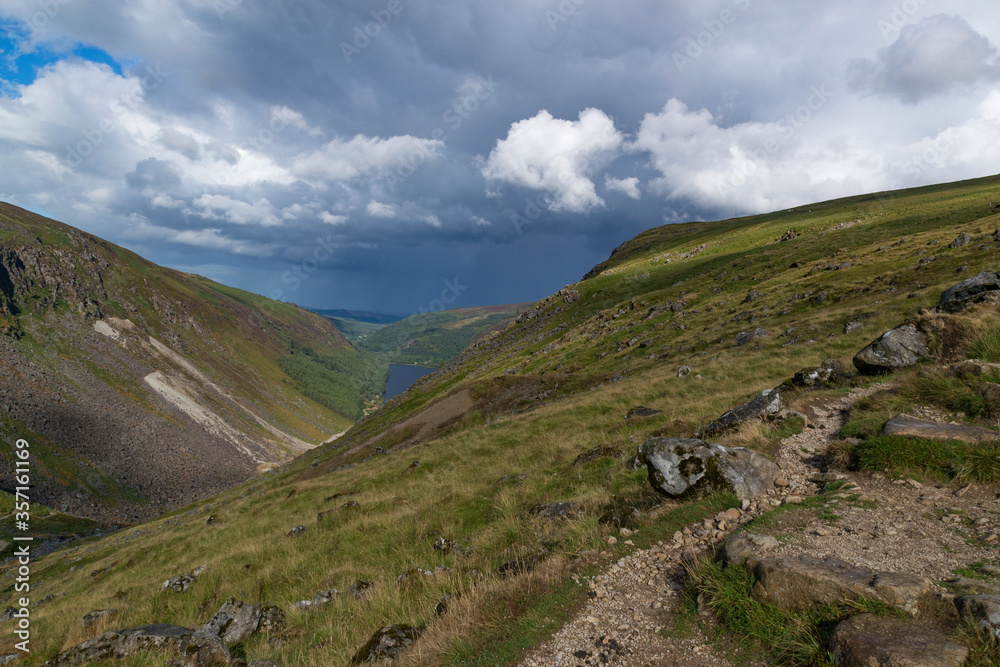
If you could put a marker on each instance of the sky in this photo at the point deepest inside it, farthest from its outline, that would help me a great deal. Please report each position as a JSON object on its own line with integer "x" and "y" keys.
{"x": 408, "y": 155}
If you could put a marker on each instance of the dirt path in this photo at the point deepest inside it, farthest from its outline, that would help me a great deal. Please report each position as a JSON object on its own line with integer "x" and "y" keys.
{"x": 637, "y": 599}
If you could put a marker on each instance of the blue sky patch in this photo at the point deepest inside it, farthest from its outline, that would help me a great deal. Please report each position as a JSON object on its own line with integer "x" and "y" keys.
{"x": 18, "y": 68}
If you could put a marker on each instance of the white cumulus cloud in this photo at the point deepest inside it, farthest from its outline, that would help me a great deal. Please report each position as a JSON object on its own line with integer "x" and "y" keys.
{"x": 556, "y": 156}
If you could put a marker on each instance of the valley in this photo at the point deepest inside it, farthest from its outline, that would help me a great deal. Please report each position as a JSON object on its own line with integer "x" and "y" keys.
{"x": 502, "y": 499}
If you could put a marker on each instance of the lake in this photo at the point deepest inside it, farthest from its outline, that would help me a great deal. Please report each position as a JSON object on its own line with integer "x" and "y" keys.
{"x": 402, "y": 378}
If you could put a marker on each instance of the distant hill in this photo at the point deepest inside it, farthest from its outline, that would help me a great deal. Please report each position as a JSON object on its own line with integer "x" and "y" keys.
{"x": 359, "y": 316}
{"x": 433, "y": 339}
{"x": 141, "y": 387}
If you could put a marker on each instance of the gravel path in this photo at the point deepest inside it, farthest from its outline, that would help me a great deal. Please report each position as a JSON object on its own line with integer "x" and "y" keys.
{"x": 637, "y": 598}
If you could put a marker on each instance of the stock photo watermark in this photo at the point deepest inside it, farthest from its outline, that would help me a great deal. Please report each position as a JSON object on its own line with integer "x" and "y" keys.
{"x": 697, "y": 44}
{"x": 902, "y": 15}
{"x": 22, "y": 543}
{"x": 366, "y": 33}
{"x": 562, "y": 13}
{"x": 152, "y": 77}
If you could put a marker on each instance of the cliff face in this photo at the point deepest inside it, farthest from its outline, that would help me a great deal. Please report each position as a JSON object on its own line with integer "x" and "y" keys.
{"x": 140, "y": 387}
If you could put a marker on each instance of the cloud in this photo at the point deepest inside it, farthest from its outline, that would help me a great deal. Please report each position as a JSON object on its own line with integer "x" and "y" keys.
{"x": 221, "y": 207}
{"x": 153, "y": 173}
{"x": 556, "y": 156}
{"x": 627, "y": 186}
{"x": 380, "y": 210}
{"x": 341, "y": 160}
{"x": 929, "y": 58}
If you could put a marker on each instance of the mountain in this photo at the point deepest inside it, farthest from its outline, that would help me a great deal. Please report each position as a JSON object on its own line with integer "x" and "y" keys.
{"x": 141, "y": 388}
{"x": 434, "y": 338}
{"x": 483, "y": 508}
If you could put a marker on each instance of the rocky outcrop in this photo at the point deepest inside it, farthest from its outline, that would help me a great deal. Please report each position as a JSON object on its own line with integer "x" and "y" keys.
{"x": 123, "y": 643}
{"x": 877, "y": 641}
{"x": 898, "y": 348}
{"x": 766, "y": 405}
{"x": 911, "y": 427}
{"x": 982, "y": 288}
{"x": 797, "y": 584}
{"x": 387, "y": 643}
{"x": 681, "y": 467}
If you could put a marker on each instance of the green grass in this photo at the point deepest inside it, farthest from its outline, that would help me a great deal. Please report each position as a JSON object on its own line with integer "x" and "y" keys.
{"x": 986, "y": 347}
{"x": 939, "y": 461}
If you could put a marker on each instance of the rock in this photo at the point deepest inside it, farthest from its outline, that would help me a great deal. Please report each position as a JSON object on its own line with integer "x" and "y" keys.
{"x": 235, "y": 622}
{"x": 898, "y": 348}
{"x": 911, "y": 427}
{"x": 983, "y": 610}
{"x": 124, "y": 643}
{"x": 858, "y": 323}
{"x": 413, "y": 574}
{"x": 882, "y": 641}
{"x": 182, "y": 582}
{"x": 361, "y": 589}
{"x": 981, "y": 288}
{"x": 297, "y": 531}
{"x": 747, "y": 547}
{"x": 683, "y": 371}
{"x": 445, "y": 545}
{"x": 744, "y": 337}
{"x": 388, "y": 643}
{"x": 830, "y": 374}
{"x": 796, "y": 584}
{"x": 554, "y": 510}
{"x": 641, "y": 413}
{"x": 601, "y": 452}
{"x": 441, "y": 608}
{"x": 752, "y": 295}
{"x": 621, "y": 516}
{"x": 766, "y": 405}
{"x": 205, "y": 651}
{"x": 680, "y": 467}
{"x": 272, "y": 619}
{"x": 321, "y": 598}
{"x": 94, "y": 616}
{"x": 963, "y": 239}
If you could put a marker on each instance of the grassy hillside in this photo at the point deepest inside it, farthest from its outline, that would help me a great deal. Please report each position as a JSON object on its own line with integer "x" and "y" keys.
{"x": 474, "y": 451}
{"x": 433, "y": 339}
{"x": 141, "y": 387}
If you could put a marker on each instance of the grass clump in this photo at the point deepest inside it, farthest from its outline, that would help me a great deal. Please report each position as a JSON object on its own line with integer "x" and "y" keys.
{"x": 942, "y": 461}
{"x": 986, "y": 347}
{"x": 785, "y": 638}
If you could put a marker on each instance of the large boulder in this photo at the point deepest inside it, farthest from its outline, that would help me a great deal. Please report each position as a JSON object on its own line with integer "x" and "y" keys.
{"x": 879, "y": 641}
{"x": 766, "y": 405}
{"x": 983, "y": 288}
{"x": 911, "y": 427}
{"x": 901, "y": 347}
{"x": 680, "y": 467}
{"x": 798, "y": 584}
